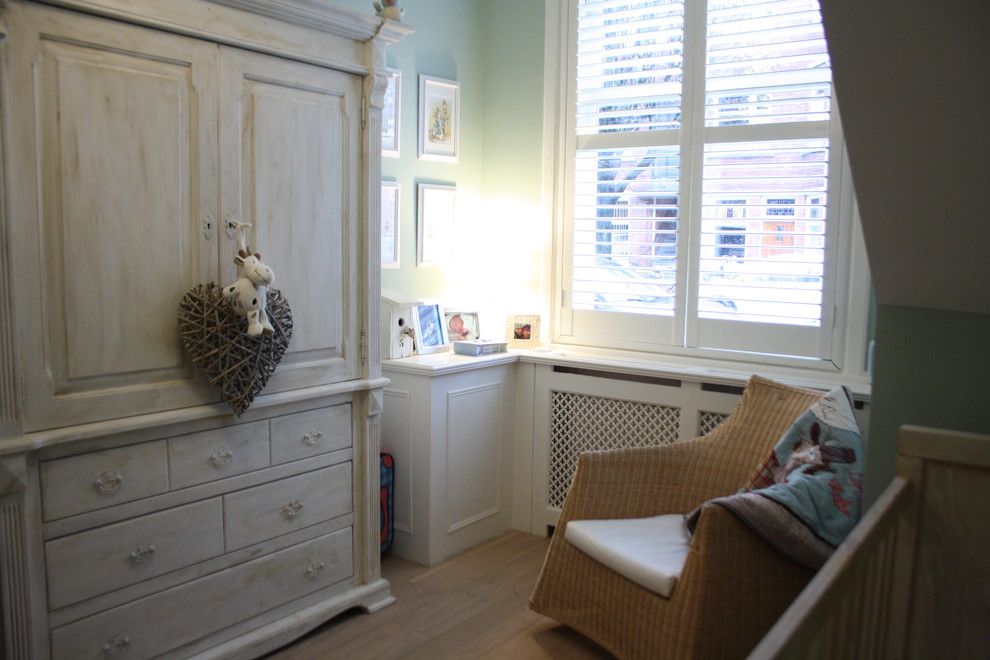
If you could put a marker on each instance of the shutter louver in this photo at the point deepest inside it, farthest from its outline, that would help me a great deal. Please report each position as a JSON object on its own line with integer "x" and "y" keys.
{"x": 625, "y": 230}
{"x": 629, "y": 65}
{"x": 763, "y": 209}
{"x": 762, "y": 231}
{"x": 766, "y": 63}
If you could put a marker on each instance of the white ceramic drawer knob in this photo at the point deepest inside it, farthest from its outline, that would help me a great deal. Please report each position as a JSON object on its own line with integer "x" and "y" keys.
{"x": 314, "y": 569}
{"x": 312, "y": 438}
{"x": 221, "y": 457}
{"x": 109, "y": 482}
{"x": 292, "y": 509}
{"x": 116, "y": 645}
{"x": 141, "y": 554}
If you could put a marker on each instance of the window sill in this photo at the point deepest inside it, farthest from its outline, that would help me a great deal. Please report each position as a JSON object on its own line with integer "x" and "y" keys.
{"x": 719, "y": 372}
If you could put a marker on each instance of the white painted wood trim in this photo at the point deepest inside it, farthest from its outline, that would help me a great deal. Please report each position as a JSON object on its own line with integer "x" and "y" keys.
{"x": 8, "y": 392}
{"x": 669, "y": 368}
{"x": 22, "y": 575}
{"x": 246, "y": 24}
{"x": 367, "y": 561}
{"x": 370, "y": 597}
{"x": 52, "y": 437}
{"x": 442, "y": 364}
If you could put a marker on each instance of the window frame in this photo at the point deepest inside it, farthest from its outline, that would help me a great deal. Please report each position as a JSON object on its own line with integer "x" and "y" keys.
{"x": 842, "y": 340}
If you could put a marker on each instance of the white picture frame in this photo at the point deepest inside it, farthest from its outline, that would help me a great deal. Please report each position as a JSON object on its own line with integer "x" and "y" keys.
{"x": 522, "y": 331}
{"x": 391, "y": 115}
{"x": 390, "y": 223}
{"x": 439, "y": 118}
{"x": 437, "y": 207}
{"x": 429, "y": 328}
{"x": 461, "y": 326}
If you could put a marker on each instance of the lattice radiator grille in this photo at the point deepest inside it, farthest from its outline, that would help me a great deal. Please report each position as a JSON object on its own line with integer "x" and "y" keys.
{"x": 581, "y": 422}
{"x": 709, "y": 420}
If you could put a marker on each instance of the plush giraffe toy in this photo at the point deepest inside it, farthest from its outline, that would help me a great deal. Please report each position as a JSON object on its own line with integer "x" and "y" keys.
{"x": 249, "y": 294}
{"x": 388, "y": 9}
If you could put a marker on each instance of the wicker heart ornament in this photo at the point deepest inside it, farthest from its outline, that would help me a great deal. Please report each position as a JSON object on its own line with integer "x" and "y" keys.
{"x": 237, "y": 365}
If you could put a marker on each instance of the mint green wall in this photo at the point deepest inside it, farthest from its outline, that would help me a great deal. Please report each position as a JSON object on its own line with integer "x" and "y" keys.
{"x": 931, "y": 368}
{"x": 495, "y": 50}
{"x": 517, "y": 225}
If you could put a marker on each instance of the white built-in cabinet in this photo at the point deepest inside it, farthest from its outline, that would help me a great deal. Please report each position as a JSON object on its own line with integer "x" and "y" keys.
{"x": 138, "y": 516}
{"x": 449, "y": 424}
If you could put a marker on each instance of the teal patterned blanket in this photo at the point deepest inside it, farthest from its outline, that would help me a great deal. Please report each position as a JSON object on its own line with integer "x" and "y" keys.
{"x": 807, "y": 494}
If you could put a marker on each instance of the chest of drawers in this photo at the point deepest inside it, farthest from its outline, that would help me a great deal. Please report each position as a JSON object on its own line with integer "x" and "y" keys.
{"x": 184, "y": 544}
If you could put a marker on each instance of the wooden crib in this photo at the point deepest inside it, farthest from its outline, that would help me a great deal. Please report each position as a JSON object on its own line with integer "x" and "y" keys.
{"x": 912, "y": 580}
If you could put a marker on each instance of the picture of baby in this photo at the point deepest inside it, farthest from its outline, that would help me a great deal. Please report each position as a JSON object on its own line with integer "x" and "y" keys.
{"x": 462, "y": 326}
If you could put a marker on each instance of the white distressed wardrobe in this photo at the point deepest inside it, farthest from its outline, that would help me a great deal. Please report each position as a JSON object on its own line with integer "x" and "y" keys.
{"x": 138, "y": 517}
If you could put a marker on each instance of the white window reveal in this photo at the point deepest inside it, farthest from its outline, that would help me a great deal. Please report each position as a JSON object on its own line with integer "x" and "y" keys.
{"x": 706, "y": 207}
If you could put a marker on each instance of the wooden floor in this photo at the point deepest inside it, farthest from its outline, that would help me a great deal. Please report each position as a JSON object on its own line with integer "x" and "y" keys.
{"x": 472, "y": 606}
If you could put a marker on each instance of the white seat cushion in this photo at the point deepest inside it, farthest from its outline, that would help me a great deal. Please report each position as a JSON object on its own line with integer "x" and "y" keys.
{"x": 649, "y": 551}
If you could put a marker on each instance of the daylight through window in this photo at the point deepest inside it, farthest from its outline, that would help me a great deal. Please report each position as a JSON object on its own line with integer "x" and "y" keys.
{"x": 704, "y": 207}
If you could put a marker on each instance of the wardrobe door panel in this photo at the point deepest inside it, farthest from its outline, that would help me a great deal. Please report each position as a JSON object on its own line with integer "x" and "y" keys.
{"x": 115, "y": 184}
{"x": 290, "y": 162}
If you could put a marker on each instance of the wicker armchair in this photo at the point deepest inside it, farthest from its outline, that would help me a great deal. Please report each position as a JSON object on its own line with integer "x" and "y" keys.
{"x": 733, "y": 586}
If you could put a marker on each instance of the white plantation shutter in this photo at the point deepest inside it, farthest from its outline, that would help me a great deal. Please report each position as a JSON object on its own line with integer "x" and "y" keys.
{"x": 702, "y": 191}
{"x": 625, "y": 230}
{"x": 629, "y": 69}
{"x": 766, "y": 63}
{"x": 767, "y": 75}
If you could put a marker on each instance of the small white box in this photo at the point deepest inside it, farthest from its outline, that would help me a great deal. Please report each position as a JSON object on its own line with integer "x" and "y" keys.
{"x": 479, "y": 347}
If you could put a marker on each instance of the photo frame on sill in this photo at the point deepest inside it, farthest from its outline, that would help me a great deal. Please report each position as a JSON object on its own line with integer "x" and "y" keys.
{"x": 429, "y": 328}
{"x": 391, "y": 114}
{"x": 462, "y": 326}
{"x": 390, "y": 223}
{"x": 437, "y": 205}
{"x": 439, "y": 118}
{"x": 522, "y": 331}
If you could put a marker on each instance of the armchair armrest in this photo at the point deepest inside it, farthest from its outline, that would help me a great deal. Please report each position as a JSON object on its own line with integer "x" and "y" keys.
{"x": 737, "y": 583}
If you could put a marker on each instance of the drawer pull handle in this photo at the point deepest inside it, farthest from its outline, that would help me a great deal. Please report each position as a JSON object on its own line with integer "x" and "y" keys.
{"x": 221, "y": 457}
{"x": 292, "y": 509}
{"x": 141, "y": 554}
{"x": 116, "y": 645}
{"x": 314, "y": 569}
{"x": 108, "y": 482}
{"x": 312, "y": 438}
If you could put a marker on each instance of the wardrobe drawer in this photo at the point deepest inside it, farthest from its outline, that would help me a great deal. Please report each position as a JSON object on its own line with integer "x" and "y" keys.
{"x": 94, "y": 481}
{"x": 310, "y": 433}
{"x": 169, "y": 619}
{"x": 209, "y": 455}
{"x": 283, "y": 506}
{"x": 90, "y": 563}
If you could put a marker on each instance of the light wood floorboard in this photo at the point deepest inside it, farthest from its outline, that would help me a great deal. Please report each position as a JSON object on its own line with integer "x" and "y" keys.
{"x": 471, "y": 606}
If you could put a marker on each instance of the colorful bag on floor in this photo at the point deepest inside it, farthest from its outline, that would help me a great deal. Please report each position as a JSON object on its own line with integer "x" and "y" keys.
{"x": 386, "y": 479}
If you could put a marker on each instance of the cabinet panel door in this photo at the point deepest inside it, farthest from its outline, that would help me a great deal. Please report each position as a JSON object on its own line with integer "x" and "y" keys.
{"x": 290, "y": 163}
{"x": 114, "y": 181}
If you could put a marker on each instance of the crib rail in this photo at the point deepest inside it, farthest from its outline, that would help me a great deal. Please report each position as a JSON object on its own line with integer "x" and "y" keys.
{"x": 911, "y": 580}
{"x": 846, "y": 610}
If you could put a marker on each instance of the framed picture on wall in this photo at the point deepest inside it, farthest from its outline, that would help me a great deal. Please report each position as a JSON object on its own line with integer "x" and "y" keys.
{"x": 435, "y": 224}
{"x": 391, "y": 115}
{"x": 462, "y": 326}
{"x": 439, "y": 118}
{"x": 428, "y": 326}
{"x": 390, "y": 224}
